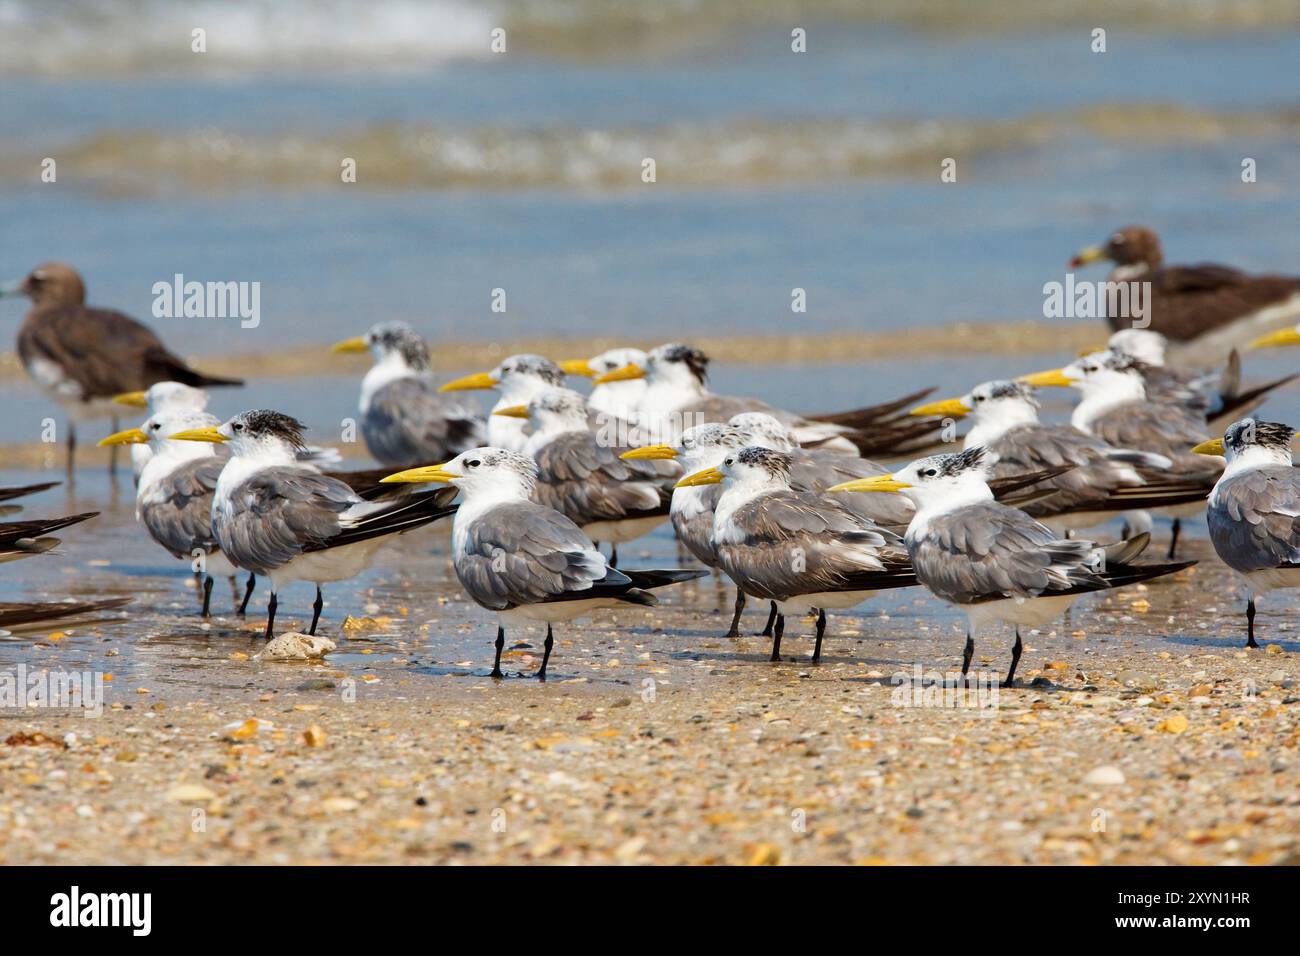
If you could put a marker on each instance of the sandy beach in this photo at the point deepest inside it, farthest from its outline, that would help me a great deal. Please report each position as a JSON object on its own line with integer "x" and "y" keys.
{"x": 1140, "y": 732}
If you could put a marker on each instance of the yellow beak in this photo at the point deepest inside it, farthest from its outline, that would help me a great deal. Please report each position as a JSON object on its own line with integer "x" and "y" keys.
{"x": 624, "y": 374}
{"x": 200, "y": 434}
{"x": 878, "y": 483}
{"x": 1056, "y": 377}
{"x": 132, "y": 436}
{"x": 419, "y": 476}
{"x": 1088, "y": 256}
{"x": 512, "y": 411}
{"x": 134, "y": 399}
{"x": 358, "y": 344}
{"x": 651, "y": 452}
{"x": 709, "y": 476}
{"x": 479, "y": 380}
{"x": 1275, "y": 339}
{"x": 948, "y": 408}
{"x": 578, "y": 367}
{"x": 1213, "y": 446}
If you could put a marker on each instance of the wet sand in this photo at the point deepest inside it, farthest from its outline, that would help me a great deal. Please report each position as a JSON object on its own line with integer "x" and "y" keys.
{"x": 1140, "y": 732}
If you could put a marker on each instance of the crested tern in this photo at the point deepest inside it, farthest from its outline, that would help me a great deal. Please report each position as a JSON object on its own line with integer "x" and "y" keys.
{"x": 405, "y": 419}
{"x": 1115, "y": 408}
{"x": 280, "y": 518}
{"x": 618, "y": 397}
{"x": 583, "y": 477}
{"x": 801, "y": 549}
{"x": 677, "y": 396}
{"x": 175, "y": 491}
{"x": 1100, "y": 481}
{"x": 516, "y": 380}
{"x": 523, "y": 560}
{"x": 996, "y": 562}
{"x": 1254, "y": 512}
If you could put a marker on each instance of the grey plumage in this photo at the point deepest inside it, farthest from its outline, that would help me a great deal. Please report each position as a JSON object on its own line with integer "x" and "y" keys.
{"x": 1254, "y": 518}
{"x": 280, "y": 513}
{"x": 178, "y": 512}
{"x": 988, "y": 551}
{"x": 526, "y": 553}
{"x": 408, "y": 422}
{"x": 585, "y": 480}
{"x": 798, "y": 542}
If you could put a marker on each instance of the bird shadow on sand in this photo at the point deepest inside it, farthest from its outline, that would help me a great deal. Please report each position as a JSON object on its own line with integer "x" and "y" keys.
{"x": 1235, "y": 643}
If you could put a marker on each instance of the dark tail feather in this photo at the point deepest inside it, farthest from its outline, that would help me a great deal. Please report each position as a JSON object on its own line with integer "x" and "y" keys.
{"x": 11, "y": 531}
{"x": 637, "y": 596}
{"x": 1240, "y": 400}
{"x": 405, "y": 514}
{"x": 872, "y": 414}
{"x": 1118, "y": 576}
{"x": 13, "y": 615}
{"x": 647, "y": 580}
{"x": 899, "y": 438}
{"x": 18, "y": 491}
{"x": 1122, "y": 552}
{"x": 197, "y": 379}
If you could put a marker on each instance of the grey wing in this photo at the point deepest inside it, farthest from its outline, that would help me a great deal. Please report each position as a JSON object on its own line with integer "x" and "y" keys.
{"x": 990, "y": 551}
{"x": 818, "y": 470}
{"x": 526, "y": 553}
{"x": 692, "y": 518}
{"x": 1030, "y": 448}
{"x": 279, "y": 513}
{"x": 1164, "y": 429}
{"x": 1183, "y": 387}
{"x": 1254, "y": 519}
{"x": 587, "y": 481}
{"x": 800, "y": 543}
{"x": 179, "y": 515}
{"x": 409, "y": 422}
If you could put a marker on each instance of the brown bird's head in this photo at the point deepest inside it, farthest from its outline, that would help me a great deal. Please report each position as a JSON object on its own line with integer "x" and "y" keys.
{"x": 49, "y": 285}
{"x": 1130, "y": 246}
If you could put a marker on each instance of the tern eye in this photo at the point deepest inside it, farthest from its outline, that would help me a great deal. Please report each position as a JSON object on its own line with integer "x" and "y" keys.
{"x": 472, "y": 464}
{"x": 155, "y": 426}
{"x": 930, "y": 472}
{"x": 979, "y": 398}
{"x": 238, "y": 427}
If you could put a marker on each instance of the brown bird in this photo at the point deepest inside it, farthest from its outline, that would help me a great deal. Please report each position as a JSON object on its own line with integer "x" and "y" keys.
{"x": 83, "y": 356}
{"x": 1204, "y": 310}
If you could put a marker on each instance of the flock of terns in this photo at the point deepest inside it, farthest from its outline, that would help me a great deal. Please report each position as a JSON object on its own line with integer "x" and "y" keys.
{"x": 791, "y": 508}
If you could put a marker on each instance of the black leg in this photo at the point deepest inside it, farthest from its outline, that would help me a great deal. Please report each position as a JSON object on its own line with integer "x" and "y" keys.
{"x": 501, "y": 643}
{"x": 207, "y": 595}
{"x": 546, "y": 657}
{"x": 1123, "y": 531}
{"x": 967, "y": 653}
{"x": 1173, "y": 539}
{"x": 821, "y": 629}
{"x": 735, "y": 618}
{"x": 315, "y": 610}
{"x": 72, "y": 450}
{"x": 1250, "y": 623}
{"x": 776, "y": 636}
{"x": 771, "y": 619}
{"x": 613, "y": 555}
{"x": 248, "y": 593}
{"x": 270, "y": 616}
{"x": 112, "y": 456}
{"x": 1015, "y": 659}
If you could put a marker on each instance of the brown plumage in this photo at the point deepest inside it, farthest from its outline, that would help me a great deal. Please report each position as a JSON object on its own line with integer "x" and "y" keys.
{"x": 1188, "y": 302}
{"x": 101, "y": 351}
